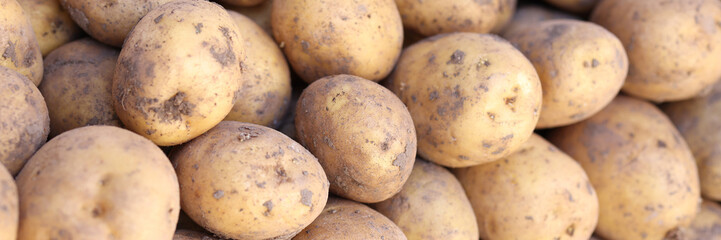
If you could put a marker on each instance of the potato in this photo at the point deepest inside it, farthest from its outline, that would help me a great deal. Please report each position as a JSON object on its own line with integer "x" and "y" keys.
{"x": 576, "y": 6}
{"x": 434, "y": 17}
{"x": 640, "y": 166}
{"x": 323, "y": 38}
{"x": 98, "y": 182}
{"x": 259, "y": 184}
{"x": 506, "y": 10}
{"x": 361, "y": 133}
{"x": 581, "y": 66}
{"x": 24, "y": 121}
{"x": 432, "y": 205}
{"x": 260, "y": 14}
{"x": 474, "y": 98}
{"x": 179, "y": 72}
{"x": 52, "y": 25}
{"x": 674, "y": 47}
{"x": 243, "y": 3}
{"x": 191, "y": 235}
{"x": 531, "y": 16}
{"x": 707, "y": 223}
{"x": 9, "y": 206}
{"x": 18, "y": 45}
{"x": 265, "y": 93}
{"x": 350, "y": 220}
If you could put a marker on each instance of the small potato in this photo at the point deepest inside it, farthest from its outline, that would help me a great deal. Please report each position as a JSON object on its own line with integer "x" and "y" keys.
{"x": 431, "y": 205}
{"x": 98, "y": 182}
{"x": 259, "y": 184}
{"x": 260, "y": 14}
{"x": 707, "y": 223}
{"x": 243, "y": 3}
{"x": 52, "y": 25}
{"x": 640, "y": 166}
{"x": 576, "y": 6}
{"x": 19, "y": 50}
{"x": 24, "y": 121}
{"x": 361, "y": 133}
{"x": 434, "y": 17}
{"x": 324, "y": 38}
{"x": 474, "y": 98}
{"x": 674, "y": 46}
{"x": 531, "y": 16}
{"x": 191, "y": 235}
{"x": 8, "y": 206}
{"x": 350, "y": 220}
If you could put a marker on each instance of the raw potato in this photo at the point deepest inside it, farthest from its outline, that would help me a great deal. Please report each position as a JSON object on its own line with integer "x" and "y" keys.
{"x": 581, "y": 66}
{"x": 98, "y": 182}
{"x": 707, "y": 223}
{"x": 19, "y": 50}
{"x": 506, "y": 10}
{"x": 259, "y": 185}
{"x": 640, "y": 167}
{"x": 191, "y": 235}
{"x": 576, "y": 6}
{"x": 361, "y": 133}
{"x": 179, "y": 72}
{"x": 260, "y": 14}
{"x": 531, "y": 16}
{"x": 9, "y": 206}
{"x": 324, "y": 38}
{"x": 351, "y": 220}
{"x": 52, "y": 25}
{"x": 538, "y": 192}
{"x": 674, "y": 46}
{"x": 24, "y": 121}
{"x": 434, "y": 17}
{"x": 243, "y": 3}
{"x": 474, "y": 98}
{"x": 432, "y": 205}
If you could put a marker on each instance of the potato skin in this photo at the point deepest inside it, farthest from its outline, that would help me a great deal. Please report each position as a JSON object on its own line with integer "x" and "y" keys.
{"x": 259, "y": 13}
{"x": 98, "y": 182}
{"x": 260, "y": 184}
{"x": 435, "y": 17}
{"x": 361, "y": 133}
{"x": 431, "y": 205}
{"x": 323, "y": 38}
{"x": 9, "y": 206}
{"x": 176, "y": 79}
{"x": 19, "y": 50}
{"x": 51, "y": 23}
{"x": 674, "y": 47}
{"x": 474, "y": 98}
{"x": 576, "y": 6}
{"x": 707, "y": 223}
{"x": 581, "y": 66}
{"x": 640, "y": 167}
{"x": 351, "y": 220}
{"x": 531, "y": 15}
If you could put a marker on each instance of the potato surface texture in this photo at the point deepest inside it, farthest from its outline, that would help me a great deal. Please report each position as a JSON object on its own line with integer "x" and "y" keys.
{"x": 9, "y": 206}
{"x": 707, "y": 223}
{"x": 51, "y": 23}
{"x": 434, "y": 17}
{"x": 19, "y": 50}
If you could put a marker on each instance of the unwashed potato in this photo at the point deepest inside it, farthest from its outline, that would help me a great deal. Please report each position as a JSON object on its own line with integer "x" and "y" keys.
{"x": 259, "y": 184}
{"x": 8, "y": 206}
{"x": 350, "y": 220}
{"x": 538, "y": 192}
{"x": 431, "y": 205}
{"x": 19, "y": 50}
{"x": 640, "y": 166}
{"x": 434, "y": 17}
{"x": 243, "y": 3}
{"x": 361, "y": 133}
{"x": 707, "y": 223}
{"x": 52, "y": 25}
{"x": 260, "y": 14}
{"x": 674, "y": 46}
{"x": 24, "y": 121}
{"x": 506, "y": 10}
{"x": 179, "y": 72}
{"x": 474, "y": 98}
{"x": 576, "y": 6}
{"x": 531, "y": 15}
{"x": 191, "y": 235}
{"x": 582, "y": 66}
{"x": 323, "y": 38}
{"x": 98, "y": 182}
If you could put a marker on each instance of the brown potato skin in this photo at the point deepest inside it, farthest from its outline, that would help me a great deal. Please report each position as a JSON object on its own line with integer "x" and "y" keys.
{"x": 19, "y": 50}
{"x": 435, "y": 17}
{"x": 324, "y": 38}
{"x": 9, "y": 206}
{"x": 243, "y": 3}
{"x": 260, "y": 14}
{"x": 361, "y": 133}
{"x": 431, "y": 205}
{"x": 98, "y": 182}
{"x": 707, "y": 223}
{"x": 351, "y": 220}
{"x": 674, "y": 47}
{"x": 24, "y": 121}
{"x": 51, "y": 23}
{"x": 530, "y": 15}
{"x": 575, "y": 6}
{"x": 474, "y": 98}
{"x": 640, "y": 167}
{"x": 181, "y": 234}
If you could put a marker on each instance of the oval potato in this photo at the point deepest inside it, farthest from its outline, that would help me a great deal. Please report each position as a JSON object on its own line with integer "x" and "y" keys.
{"x": 9, "y": 206}
{"x": 51, "y": 23}
{"x": 19, "y": 49}
{"x": 434, "y": 17}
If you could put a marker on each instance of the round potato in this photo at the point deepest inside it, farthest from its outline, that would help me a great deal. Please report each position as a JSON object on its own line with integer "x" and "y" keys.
{"x": 474, "y": 98}
{"x": 191, "y": 235}
{"x": 361, "y": 133}
{"x": 531, "y": 15}
{"x": 640, "y": 166}
{"x": 9, "y": 206}
{"x": 514, "y": 197}
{"x": 576, "y": 6}
{"x": 52, "y": 25}
{"x": 431, "y": 205}
{"x": 243, "y": 3}
{"x": 323, "y": 38}
{"x": 674, "y": 47}
{"x": 24, "y": 121}
{"x": 98, "y": 182}
{"x": 19, "y": 50}
{"x": 581, "y": 66}
{"x": 434, "y": 17}
{"x": 260, "y": 14}
{"x": 179, "y": 72}
{"x": 351, "y": 220}
{"x": 707, "y": 223}
{"x": 259, "y": 185}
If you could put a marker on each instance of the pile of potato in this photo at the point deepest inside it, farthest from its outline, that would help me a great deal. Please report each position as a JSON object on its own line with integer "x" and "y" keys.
{"x": 363, "y": 119}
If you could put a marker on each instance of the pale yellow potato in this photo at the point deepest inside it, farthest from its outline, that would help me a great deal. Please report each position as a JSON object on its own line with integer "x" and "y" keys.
{"x": 707, "y": 223}
{"x": 19, "y": 50}
{"x": 435, "y": 17}
{"x": 259, "y": 13}
{"x": 576, "y": 6}
{"x": 9, "y": 206}
{"x": 51, "y": 23}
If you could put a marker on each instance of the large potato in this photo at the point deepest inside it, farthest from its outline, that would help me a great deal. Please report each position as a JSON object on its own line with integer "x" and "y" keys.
{"x": 576, "y": 6}
{"x": 8, "y": 206}
{"x": 531, "y": 16}
{"x": 361, "y": 133}
{"x": 581, "y": 66}
{"x": 98, "y": 182}
{"x": 431, "y": 205}
{"x": 179, "y": 72}
{"x": 674, "y": 46}
{"x": 19, "y": 48}
{"x": 640, "y": 166}
{"x": 259, "y": 184}
{"x": 259, "y": 13}
{"x": 323, "y": 38}
{"x": 52, "y": 25}
{"x": 707, "y": 223}
{"x": 474, "y": 98}
{"x": 434, "y": 17}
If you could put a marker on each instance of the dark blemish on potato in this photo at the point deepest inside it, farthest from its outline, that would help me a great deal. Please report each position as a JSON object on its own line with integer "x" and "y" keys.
{"x": 570, "y": 230}
{"x": 384, "y": 146}
{"x": 227, "y": 56}
{"x": 529, "y": 218}
{"x": 247, "y": 133}
{"x": 218, "y": 194}
{"x": 260, "y": 185}
{"x": 432, "y": 59}
{"x": 507, "y": 137}
{"x": 29, "y": 58}
{"x": 457, "y": 57}
{"x": 295, "y": 19}
{"x": 499, "y": 150}
{"x": 441, "y": 111}
{"x": 150, "y": 70}
{"x": 594, "y": 63}
{"x": 462, "y": 157}
{"x": 282, "y": 176}
{"x": 198, "y": 28}
{"x": 555, "y": 31}
{"x": 150, "y": 131}
{"x": 304, "y": 45}
{"x": 414, "y": 99}
{"x": 268, "y": 206}
{"x": 661, "y": 144}
{"x": 97, "y": 212}
{"x": 491, "y": 115}
{"x": 644, "y": 235}
{"x": 10, "y": 53}
{"x": 157, "y": 19}
{"x": 433, "y": 96}
{"x": 487, "y": 144}
{"x": 305, "y": 173}
{"x": 306, "y": 197}
{"x": 195, "y": 166}
{"x": 332, "y": 211}
{"x": 173, "y": 108}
